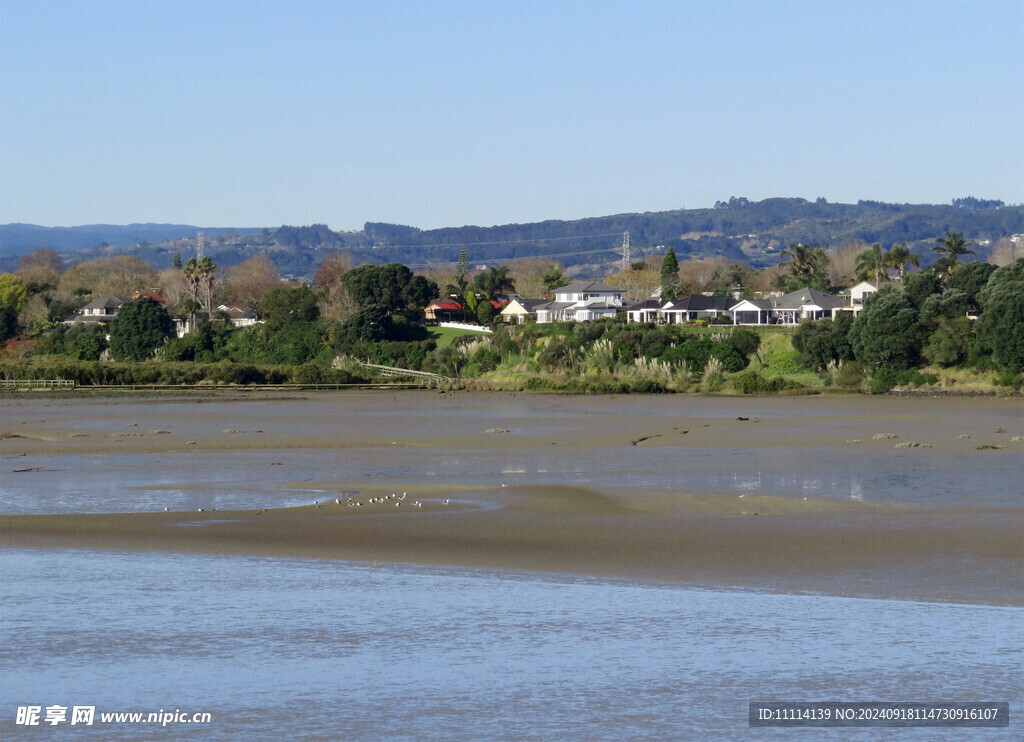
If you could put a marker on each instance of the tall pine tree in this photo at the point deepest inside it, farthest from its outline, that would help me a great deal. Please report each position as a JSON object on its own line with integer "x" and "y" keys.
{"x": 463, "y": 267}
{"x": 669, "y": 275}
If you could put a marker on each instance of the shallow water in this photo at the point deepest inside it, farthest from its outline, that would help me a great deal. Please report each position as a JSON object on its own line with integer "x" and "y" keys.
{"x": 328, "y": 649}
{"x": 334, "y": 650}
{"x": 821, "y": 465}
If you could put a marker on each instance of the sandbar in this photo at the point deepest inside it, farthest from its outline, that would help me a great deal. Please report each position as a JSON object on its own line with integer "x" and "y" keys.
{"x": 957, "y": 555}
{"x": 967, "y": 554}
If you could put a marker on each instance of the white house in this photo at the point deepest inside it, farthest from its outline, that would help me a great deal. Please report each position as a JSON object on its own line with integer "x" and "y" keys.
{"x": 859, "y": 293}
{"x": 789, "y": 309}
{"x": 101, "y": 309}
{"x": 752, "y": 312}
{"x": 648, "y": 310}
{"x": 519, "y": 311}
{"x": 582, "y": 301}
{"x": 809, "y": 304}
{"x": 238, "y": 316}
{"x": 696, "y": 306}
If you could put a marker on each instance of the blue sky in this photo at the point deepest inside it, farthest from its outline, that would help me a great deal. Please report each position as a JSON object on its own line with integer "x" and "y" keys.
{"x": 433, "y": 114}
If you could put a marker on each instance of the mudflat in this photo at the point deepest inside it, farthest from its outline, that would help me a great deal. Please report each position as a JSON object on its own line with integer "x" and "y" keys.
{"x": 789, "y": 542}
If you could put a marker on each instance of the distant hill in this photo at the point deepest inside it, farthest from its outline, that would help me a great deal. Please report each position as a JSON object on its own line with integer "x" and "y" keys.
{"x": 737, "y": 229}
{"x": 18, "y": 239}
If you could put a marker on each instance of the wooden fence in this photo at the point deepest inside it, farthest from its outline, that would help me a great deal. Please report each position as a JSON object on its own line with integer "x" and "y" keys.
{"x": 36, "y": 384}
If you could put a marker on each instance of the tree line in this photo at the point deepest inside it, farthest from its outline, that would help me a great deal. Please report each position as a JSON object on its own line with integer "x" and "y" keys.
{"x": 375, "y": 312}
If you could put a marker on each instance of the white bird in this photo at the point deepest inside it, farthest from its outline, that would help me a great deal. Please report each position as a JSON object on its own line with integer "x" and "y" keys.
{"x": 338, "y": 500}
{"x": 166, "y": 509}
{"x": 445, "y": 502}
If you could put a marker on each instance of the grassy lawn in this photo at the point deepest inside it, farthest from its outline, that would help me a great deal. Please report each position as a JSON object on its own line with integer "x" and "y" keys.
{"x": 446, "y": 335}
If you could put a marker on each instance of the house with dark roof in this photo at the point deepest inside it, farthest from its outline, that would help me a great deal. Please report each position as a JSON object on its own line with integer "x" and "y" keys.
{"x": 809, "y": 304}
{"x": 101, "y": 309}
{"x": 581, "y": 302}
{"x": 752, "y": 312}
{"x": 239, "y": 317}
{"x": 648, "y": 310}
{"x": 790, "y": 309}
{"x": 694, "y": 307}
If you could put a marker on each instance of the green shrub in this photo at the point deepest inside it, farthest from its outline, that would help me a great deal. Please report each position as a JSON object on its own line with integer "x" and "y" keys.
{"x": 732, "y": 360}
{"x": 556, "y": 355}
{"x": 745, "y": 340}
{"x": 647, "y": 386}
{"x": 609, "y": 387}
{"x": 824, "y": 341}
{"x": 888, "y": 331}
{"x": 850, "y": 375}
{"x": 886, "y": 378}
{"x": 751, "y": 382}
{"x": 538, "y": 384}
{"x": 1009, "y": 378}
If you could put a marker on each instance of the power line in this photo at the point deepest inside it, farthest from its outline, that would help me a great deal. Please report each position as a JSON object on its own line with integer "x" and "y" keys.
{"x": 499, "y": 261}
{"x": 506, "y": 242}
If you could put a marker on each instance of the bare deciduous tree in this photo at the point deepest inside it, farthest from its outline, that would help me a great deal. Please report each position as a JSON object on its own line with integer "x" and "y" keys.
{"x": 637, "y": 284}
{"x": 121, "y": 275}
{"x": 41, "y": 267}
{"x": 248, "y": 282}
{"x": 528, "y": 274}
{"x": 335, "y": 302}
{"x": 842, "y": 261}
{"x": 1006, "y": 251}
{"x": 703, "y": 275}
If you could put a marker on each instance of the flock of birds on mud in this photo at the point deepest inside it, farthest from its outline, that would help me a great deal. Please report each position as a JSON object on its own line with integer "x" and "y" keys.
{"x": 351, "y": 502}
{"x": 394, "y": 497}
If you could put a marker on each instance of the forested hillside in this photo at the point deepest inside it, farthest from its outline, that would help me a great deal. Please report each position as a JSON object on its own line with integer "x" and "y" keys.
{"x": 737, "y": 230}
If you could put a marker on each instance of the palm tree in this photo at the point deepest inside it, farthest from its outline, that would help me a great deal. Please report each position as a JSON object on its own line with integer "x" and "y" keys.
{"x": 199, "y": 277}
{"x": 495, "y": 282}
{"x": 736, "y": 274}
{"x": 458, "y": 291}
{"x": 872, "y": 262}
{"x": 799, "y": 259}
{"x": 808, "y": 266}
{"x": 900, "y": 257}
{"x": 207, "y": 270}
{"x": 193, "y": 279}
{"x": 554, "y": 279}
{"x": 952, "y": 246}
